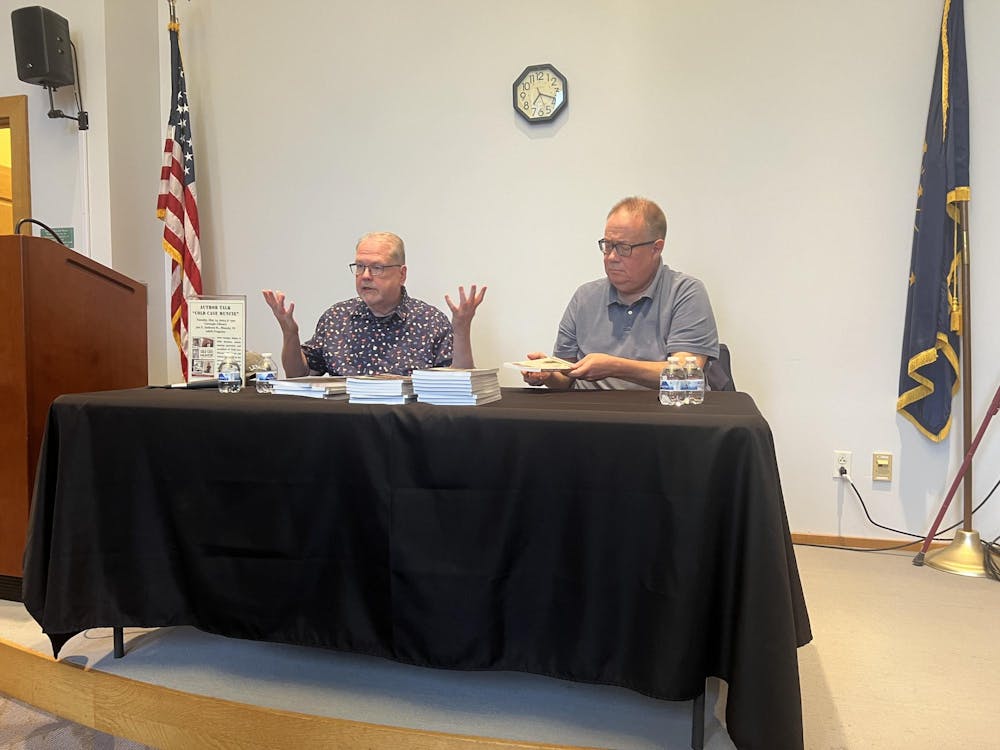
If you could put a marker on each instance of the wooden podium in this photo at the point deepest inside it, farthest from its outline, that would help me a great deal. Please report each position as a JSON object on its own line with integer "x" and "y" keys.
{"x": 67, "y": 325}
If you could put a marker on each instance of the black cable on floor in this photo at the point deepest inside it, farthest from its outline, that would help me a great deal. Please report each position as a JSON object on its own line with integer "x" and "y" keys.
{"x": 991, "y": 565}
{"x": 991, "y": 554}
{"x": 907, "y": 533}
{"x": 904, "y": 545}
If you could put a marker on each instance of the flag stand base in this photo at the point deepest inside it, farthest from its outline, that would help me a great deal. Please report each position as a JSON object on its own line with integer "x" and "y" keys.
{"x": 964, "y": 556}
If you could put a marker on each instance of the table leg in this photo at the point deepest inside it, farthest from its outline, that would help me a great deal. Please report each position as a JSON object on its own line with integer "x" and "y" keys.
{"x": 698, "y": 722}
{"x": 119, "y": 636}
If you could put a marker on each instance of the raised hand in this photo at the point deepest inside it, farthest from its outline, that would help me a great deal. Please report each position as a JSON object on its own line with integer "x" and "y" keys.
{"x": 284, "y": 315}
{"x": 463, "y": 313}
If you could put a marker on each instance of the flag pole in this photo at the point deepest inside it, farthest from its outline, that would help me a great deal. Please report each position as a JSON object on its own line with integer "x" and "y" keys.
{"x": 177, "y": 202}
{"x": 965, "y": 555}
{"x": 966, "y": 295}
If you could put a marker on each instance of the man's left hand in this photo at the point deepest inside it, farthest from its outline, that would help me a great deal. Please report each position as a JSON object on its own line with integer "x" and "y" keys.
{"x": 595, "y": 367}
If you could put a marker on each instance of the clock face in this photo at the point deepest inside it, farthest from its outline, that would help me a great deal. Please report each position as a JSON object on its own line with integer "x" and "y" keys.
{"x": 540, "y": 93}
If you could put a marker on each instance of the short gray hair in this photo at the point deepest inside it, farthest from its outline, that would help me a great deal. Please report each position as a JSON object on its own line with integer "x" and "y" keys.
{"x": 652, "y": 215}
{"x": 394, "y": 242}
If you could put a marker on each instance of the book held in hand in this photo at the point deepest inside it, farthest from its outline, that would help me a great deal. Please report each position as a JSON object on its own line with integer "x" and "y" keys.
{"x": 544, "y": 364}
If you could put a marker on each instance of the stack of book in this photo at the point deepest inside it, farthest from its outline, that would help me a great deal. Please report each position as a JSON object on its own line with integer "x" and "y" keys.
{"x": 324, "y": 386}
{"x": 456, "y": 386}
{"x": 379, "y": 389}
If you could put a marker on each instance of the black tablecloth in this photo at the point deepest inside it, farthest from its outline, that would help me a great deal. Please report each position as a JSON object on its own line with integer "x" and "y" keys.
{"x": 592, "y": 536}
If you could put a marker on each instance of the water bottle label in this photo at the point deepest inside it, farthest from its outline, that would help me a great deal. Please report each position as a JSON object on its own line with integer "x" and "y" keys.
{"x": 696, "y": 384}
{"x": 671, "y": 385}
{"x": 265, "y": 375}
{"x": 229, "y": 377}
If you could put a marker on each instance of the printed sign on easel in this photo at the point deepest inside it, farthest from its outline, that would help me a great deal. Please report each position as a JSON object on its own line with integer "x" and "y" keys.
{"x": 216, "y": 330}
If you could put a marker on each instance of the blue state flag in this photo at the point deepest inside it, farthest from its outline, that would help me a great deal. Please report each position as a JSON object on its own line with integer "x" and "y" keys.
{"x": 928, "y": 377}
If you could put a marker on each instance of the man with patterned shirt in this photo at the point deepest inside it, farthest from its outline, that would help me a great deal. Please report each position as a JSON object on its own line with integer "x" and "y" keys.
{"x": 383, "y": 329}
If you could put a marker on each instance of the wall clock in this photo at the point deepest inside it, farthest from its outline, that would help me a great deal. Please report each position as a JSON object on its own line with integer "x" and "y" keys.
{"x": 540, "y": 93}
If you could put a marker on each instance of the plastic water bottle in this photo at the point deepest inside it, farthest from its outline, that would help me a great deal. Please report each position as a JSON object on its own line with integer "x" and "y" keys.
{"x": 267, "y": 374}
{"x": 230, "y": 377}
{"x": 694, "y": 383}
{"x": 672, "y": 383}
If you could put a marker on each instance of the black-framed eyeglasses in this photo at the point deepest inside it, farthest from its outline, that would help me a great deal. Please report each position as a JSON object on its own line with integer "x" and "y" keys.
{"x": 375, "y": 269}
{"x": 622, "y": 248}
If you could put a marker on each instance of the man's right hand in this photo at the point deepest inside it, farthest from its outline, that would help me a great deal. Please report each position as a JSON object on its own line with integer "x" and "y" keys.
{"x": 554, "y": 380}
{"x": 293, "y": 360}
{"x": 284, "y": 315}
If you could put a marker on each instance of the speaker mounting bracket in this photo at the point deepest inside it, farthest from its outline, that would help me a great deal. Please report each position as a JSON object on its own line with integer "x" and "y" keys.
{"x": 82, "y": 119}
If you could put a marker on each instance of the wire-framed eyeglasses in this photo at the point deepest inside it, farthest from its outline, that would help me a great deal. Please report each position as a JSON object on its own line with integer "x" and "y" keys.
{"x": 375, "y": 269}
{"x": 623, "y": 249}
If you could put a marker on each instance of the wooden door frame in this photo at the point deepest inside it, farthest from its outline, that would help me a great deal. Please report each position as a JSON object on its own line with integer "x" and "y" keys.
{"x": 14, "y": 114}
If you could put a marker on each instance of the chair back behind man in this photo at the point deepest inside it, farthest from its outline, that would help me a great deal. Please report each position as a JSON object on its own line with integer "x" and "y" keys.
{"x": 719, "y": 372}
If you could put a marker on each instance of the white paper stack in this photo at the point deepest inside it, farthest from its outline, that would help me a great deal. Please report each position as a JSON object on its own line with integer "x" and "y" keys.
{"x": 332, "y": 387}
{"x": 380, "y": 389}
{"x": 456, "y": 386}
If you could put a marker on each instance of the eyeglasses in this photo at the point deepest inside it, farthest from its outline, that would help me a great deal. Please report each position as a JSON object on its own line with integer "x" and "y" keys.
{"x": 375, "y": 269}
{"x": 622, "y": 248}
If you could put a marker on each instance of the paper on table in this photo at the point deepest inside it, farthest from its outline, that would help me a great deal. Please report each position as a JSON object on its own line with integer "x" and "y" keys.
{"x": 545, "y": 364}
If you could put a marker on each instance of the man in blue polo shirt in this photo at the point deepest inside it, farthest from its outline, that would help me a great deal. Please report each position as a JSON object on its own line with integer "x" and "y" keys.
{"x": 383, "y": 329}
{"x": 619, "y": 330}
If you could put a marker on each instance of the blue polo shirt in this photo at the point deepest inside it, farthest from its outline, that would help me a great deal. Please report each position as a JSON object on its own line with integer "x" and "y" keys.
{"x": 673, "y": 315}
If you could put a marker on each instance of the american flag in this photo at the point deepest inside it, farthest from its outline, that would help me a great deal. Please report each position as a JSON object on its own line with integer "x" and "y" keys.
{"x": 177, "y": 205}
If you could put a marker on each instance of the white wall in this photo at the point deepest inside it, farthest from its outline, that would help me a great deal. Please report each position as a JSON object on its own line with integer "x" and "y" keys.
{"x": 782, "y": 138}
{"x": 59, "y": 189}
{"x": 134, "y": 124}
{"x": 103, "y": 182}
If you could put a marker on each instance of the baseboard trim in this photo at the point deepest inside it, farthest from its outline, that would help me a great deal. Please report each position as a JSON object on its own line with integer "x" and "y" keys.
{"x": 861, "y": 542}
{"x": 10, "y": 588}
{"x": 172, "y": 719}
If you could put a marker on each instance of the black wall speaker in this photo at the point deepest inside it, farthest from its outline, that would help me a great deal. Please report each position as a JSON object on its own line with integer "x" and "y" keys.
{"x": 41, "y": 47}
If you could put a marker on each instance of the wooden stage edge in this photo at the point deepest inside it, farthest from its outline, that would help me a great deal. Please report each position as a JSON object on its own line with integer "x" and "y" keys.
{"x": 168, "y": 719}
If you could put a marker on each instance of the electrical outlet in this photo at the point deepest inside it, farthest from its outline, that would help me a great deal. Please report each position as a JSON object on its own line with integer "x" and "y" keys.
{"x": 841, "y": 460}
{"x": 882, "y": 467}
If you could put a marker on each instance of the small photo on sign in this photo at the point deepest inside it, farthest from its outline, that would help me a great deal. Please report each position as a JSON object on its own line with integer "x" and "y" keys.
{"x": 202, "y": 348}
{"x": 203, "y": 367}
